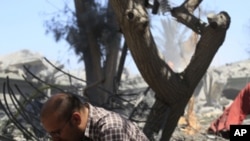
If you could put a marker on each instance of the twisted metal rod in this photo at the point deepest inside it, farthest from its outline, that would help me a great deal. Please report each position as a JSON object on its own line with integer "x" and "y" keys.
{"x": 25, "y": 99}
{"x": 31, "y": 117}
{"x": 12, "y": 116}
{"x": 40, "y": 80}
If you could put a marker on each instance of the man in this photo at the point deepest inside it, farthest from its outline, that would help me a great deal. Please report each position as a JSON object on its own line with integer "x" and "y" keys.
{"x": 66, "y": 118}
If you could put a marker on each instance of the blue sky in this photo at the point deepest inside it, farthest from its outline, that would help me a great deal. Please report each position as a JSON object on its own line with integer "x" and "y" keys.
{"x": 22, "y": 27}
{"x": 237, "y": 40}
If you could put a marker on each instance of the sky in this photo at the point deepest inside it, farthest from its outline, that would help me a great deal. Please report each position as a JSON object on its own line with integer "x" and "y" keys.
{"x": 22, "y": 27}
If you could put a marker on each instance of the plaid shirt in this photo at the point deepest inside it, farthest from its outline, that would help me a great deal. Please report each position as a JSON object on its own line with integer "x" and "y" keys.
{"x": 106, "y": 125}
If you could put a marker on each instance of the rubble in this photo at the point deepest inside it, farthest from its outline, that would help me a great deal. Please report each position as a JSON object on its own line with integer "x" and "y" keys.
{"x": 210, "y": 98}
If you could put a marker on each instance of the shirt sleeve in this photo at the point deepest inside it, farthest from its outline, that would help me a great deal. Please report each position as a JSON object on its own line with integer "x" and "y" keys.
{"x": 113, "y": 134}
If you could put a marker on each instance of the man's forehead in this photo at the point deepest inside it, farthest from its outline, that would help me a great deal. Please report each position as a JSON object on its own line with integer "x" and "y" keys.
{"x": 51, "y": 123}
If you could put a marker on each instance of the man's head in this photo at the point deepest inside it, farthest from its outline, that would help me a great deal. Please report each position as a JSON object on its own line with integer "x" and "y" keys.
{"x": 64, "y": 117}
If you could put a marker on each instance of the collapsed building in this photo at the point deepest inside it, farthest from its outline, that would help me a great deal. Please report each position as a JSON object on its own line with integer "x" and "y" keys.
{"x": 22, "y": 66}
{"x": 217, "y": 89}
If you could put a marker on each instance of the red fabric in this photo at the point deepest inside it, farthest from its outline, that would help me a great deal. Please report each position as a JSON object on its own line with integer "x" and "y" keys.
{"x": 235, "y": 113}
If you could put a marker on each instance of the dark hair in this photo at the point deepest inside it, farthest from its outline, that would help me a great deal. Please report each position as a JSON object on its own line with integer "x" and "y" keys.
{"x": 70, "y": 104}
